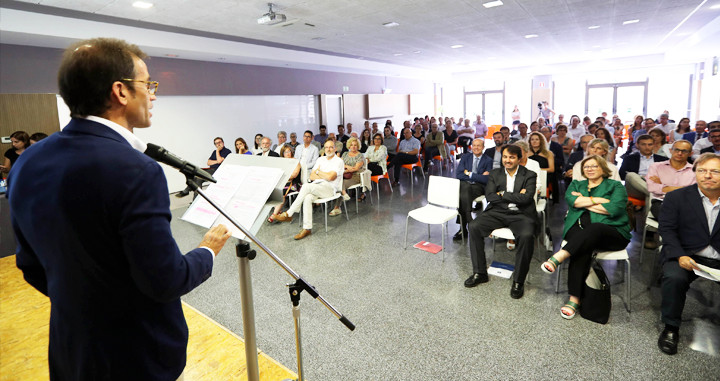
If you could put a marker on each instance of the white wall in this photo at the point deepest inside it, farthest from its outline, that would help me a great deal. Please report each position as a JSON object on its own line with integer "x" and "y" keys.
{"x": 186, "y": 126}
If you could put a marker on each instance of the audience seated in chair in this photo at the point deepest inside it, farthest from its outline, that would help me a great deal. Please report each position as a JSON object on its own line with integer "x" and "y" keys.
{"x": 510, "y": 195}
{"x": 434, "y": 145}
{"x": 495, "y": 153}
{"x": 292, "y": 185}
{"x": 576, "y": 157}
{"x": 390, "y": 142}
{"x": 407, "y": 154}
{"x": 691, "y": 235}
{"x": 635, "y": 166}
{"x": 265, "y": 150}
{"x": 354, "y": 163}
{"x": 596, "y": 220}
{"x": 307, "y": 153}
{"x": 216, "y": 158}
{"x": 600, "y": 148}
{"x": 326, "y": 179}
{"x": 241, "y": 147}
{"x": 472, "y": 172}
{"x": 377, "y": 156}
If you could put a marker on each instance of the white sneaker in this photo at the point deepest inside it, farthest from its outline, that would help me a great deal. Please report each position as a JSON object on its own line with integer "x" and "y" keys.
{"x": 335, "y": 212}
{"x": 510, "y": 245}
{"x": 346, "y": 197}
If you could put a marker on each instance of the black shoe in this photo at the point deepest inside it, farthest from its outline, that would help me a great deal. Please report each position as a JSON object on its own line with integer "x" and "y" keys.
{"x": 517, "y": 291}
{"x": 668, "y": 341}
{"x": 476, "y": 279}
{"x": 182, "y": 193}
{"x": 459, "y": 235}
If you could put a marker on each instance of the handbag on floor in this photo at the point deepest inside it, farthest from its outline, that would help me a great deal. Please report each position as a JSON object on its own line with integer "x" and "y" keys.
{"x": 595, "y": 301}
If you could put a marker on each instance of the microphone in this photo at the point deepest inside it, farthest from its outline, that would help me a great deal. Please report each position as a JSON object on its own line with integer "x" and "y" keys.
{"x": 164, "y": 156}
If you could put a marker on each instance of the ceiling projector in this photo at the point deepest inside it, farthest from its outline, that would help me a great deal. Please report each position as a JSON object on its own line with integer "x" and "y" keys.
{"x": 271, "y": 18}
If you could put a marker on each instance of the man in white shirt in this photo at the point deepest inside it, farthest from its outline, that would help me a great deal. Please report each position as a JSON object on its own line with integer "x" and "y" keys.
{"x": 480, "y": 127}
{"x": 282, "y": 138}
{"x": 667, "y": 127}
{"x": 576, "y": 130}
{"x": 325, "y": 180}
{"x": 307, "y": 153}
{"x": 703, "y": 143}
{"x": 466, "y": 134}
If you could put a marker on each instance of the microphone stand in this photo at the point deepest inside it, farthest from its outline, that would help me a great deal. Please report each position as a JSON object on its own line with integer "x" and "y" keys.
{"x": 244, "y": 255}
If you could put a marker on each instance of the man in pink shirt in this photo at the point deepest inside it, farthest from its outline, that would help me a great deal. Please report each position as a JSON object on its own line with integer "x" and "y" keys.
{"x": 666, "y": 176}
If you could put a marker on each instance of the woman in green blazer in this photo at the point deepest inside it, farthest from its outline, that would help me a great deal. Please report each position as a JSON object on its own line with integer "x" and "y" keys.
{"x": 596, "y": 220}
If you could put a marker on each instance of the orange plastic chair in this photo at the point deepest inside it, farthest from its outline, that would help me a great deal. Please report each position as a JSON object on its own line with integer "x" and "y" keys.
{"x": 410, "y": 168}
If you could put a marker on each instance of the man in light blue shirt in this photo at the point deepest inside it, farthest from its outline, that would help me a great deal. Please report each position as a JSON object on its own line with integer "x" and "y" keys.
{"x": 307, "y": 153}
{"x": 407, "y": 154}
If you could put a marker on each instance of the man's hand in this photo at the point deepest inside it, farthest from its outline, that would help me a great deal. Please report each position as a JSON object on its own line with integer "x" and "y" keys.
{"x": 655, "y": 179}
{"x": 687, "y": 263}
{"x": 568, "y": 173}
{"x": 486, "y": 173}
{"x": 578, "y": 194}
{"x": 215, "y": 238}
{"x": 523, "y": 191}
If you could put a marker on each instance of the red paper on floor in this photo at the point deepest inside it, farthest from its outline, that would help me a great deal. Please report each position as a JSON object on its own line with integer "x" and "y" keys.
{"x": 428, "y": 246}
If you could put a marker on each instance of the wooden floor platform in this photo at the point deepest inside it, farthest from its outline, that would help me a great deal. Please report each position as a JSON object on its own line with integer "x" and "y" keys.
{"x": 214, "y": 353}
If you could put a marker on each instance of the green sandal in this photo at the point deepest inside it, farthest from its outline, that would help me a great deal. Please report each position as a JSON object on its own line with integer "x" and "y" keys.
{"x": 552, "y": 262}
{"x": 571, "y": 306}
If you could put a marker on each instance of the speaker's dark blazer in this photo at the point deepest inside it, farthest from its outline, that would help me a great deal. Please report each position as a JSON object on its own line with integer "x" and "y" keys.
{"x": 631, "y": 163}
{"x": 683, "y": 224}
{"x": 526, "y": 179}
{"x": 92, "y": 220}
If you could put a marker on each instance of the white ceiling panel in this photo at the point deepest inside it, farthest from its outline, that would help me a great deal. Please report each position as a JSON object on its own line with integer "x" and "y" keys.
{"x": 354, "y": 28}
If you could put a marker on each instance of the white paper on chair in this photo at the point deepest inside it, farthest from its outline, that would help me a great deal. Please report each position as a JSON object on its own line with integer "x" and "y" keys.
{"x": 242, "y": 191}
{"x": 708, "y": 272}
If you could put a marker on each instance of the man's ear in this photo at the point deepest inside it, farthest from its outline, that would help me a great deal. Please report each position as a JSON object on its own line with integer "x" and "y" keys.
{"x": 119, "y": 93}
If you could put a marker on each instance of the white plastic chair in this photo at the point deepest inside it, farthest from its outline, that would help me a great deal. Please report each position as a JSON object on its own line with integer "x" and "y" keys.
{"x": 619, "y": 255}
{"x": 443, "y": 201}
{"x": 364, "y": 186}
{"x": 325, "y": 202}
{"x": 651, "y": 224}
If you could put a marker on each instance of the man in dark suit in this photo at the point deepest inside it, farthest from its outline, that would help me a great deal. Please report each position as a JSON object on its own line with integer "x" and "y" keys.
{"x": 714, "y": 138}
{"x": 635, "y": 166}
{"x": 690, "y": 231}
{"x": 510, "y": 195}
{"x": 699, "y": 133}
{"x": 265, "y": 144}
{"x": 92, "y": 220}
{"x": 495, "y": 153}
{"x": 216, "y": 158}
{"x": 472, "y": 172}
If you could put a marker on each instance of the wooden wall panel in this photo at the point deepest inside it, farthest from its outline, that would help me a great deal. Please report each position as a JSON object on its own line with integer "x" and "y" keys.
{"x": 28, "y": 112}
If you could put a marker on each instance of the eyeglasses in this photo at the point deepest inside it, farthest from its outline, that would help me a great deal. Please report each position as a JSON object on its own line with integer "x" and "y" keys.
{"x": 713, "y": 172}
{"x": 591, "y": 167}
{"x": 152, "y": 86}
{"x": 682, "y": 151}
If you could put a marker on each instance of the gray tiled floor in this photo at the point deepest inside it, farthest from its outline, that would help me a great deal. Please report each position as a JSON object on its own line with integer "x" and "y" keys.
{"x": 415, "y": 320}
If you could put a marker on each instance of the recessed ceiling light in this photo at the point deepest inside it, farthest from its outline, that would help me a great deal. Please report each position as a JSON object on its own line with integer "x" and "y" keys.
{"x": 417, "y": 52}
{"x": 596, "y": 46}
{"x": 142, "y": 4}
{"x": 397, "y": 54}
{"x": 716, "y": 6}
{"x": 626, "y": 22}
{"x": 491, "y": 4}
{"x": 531, "y": 35}
{"x": 593, "y": 27}
{"x": 391, "y": 24}
{"x": 456, "y": 46}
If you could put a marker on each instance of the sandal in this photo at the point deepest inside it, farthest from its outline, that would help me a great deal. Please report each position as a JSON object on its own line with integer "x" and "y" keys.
{"x": 550, "y": 265}
{"x": 570, "y": 305}
{"x": 362, "y": 198}
{"x": 271, "y": 219}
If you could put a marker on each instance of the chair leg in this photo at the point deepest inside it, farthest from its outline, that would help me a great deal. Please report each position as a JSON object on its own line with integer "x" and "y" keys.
{"x": 326, "y": 213}
{"x": 444, "y": 231}
{"x": 642, "y": 243}
{"x": 557, "y": 279}
{"x": 357, "y": 209}
{"x": 346, "y": 210}
{"x": 428, "y": 232}
{"x": 627, "y": 286}
{"x": 389, "y": 184}
{"x": 407, "y": 220}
